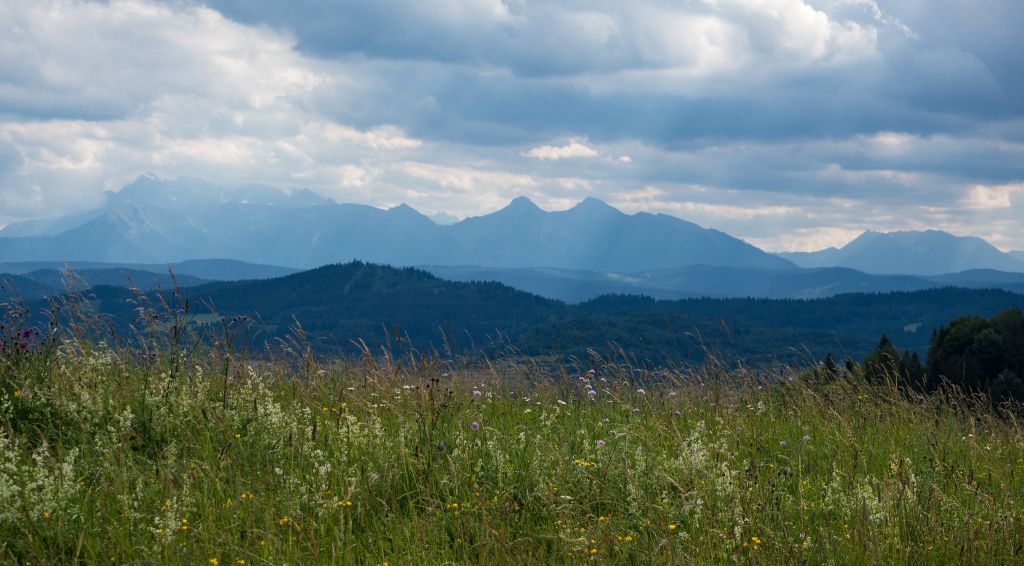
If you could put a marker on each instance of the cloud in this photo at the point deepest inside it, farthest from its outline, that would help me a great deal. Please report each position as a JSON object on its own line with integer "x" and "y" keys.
{"x": 992, "y": 197}
{"x": 573, "y": 149}
{"x": 790, "y": 123}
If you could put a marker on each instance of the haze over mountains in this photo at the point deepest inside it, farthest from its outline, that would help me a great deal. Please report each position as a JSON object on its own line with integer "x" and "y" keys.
{"x": 572, "y": 255}
{"x": 153, "y": 220}
{"x": 917, "y": 253}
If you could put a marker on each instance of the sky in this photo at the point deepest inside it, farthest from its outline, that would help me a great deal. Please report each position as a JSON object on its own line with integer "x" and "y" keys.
{"x": 793, "y": 124}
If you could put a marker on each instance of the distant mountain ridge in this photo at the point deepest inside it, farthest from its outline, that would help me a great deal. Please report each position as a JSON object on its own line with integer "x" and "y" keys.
{"x": 930, "y": 252}
{"x": 155, "y": 221}
{"x": 722, "y": 282}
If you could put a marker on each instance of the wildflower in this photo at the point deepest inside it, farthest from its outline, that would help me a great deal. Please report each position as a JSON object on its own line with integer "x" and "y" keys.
{"x": 17, "y": 393}
{"x": 237, "y": 436}
{"x": 591, "y": 392}
{"x": 477, "y": 394}
{"x": 676, "y": 414}
{"x": 560, "y": 402}
{"x": 641, "y": 392}
{"x": 636, "y": 410}
{"x": 601, "y": 443}
{"x": 474, "y": 426}
{"x": 345, "y": 503}
{"x": 213, "y": 562}
{"x": 672, "y": 526}
{"x": 807, "y": 438}
{"x": 591, "y": 373}
{"x": 782, "y": 443}
{"x": 283, "y": 521}
{"x": 628, "y": 538}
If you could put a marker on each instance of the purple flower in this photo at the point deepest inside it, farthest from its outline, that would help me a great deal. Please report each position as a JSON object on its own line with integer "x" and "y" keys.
{"x": 782, "y": 443}
{"x": 676, "y": 414}
{"x": 807, "y": 438}
{"x": 477, "y": 394}
{"x": 474, "y": 426}
{"x": 636, "y": 410}
{"x": 600, "y": 443}
{"x": 591, "y": 373}
{"x": 591, "y": 392}
{"x": 27, "y": 334}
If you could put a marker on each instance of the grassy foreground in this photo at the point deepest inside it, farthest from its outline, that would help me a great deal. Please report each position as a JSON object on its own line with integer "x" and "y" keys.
{"x": 104, "y": 459}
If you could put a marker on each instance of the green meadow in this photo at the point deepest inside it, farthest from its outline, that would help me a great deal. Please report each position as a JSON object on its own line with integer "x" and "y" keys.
{"x": 121, "y": 455}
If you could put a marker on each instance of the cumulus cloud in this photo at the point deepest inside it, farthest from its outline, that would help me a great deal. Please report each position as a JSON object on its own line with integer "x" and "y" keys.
{"x": 573, "y": 149}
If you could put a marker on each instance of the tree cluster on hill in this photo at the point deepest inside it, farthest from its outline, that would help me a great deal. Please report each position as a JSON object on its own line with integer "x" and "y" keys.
{"x": 974, "y": 353}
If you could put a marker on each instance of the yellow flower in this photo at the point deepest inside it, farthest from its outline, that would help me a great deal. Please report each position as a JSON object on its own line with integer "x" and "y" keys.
{"x": 213, "y": 562}
{"x": 17, "y": 393}
{"x": 672, "y": 526}
{"x": 755, "y": 540}
{"x": 629, "y": 538}
{"x": 593, "y": 551}
{"x": 237, "y": 435}
{"x": 283, "y": 521}
{"x": 345, "y": 503}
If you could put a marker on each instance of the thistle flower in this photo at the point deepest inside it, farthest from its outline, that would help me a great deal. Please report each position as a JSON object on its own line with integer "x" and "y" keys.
{"x": 601, "y": 443}
{"x": 474, "y": 426}
{"x": 591, "y": 392}
{"x": 477, "y": 394}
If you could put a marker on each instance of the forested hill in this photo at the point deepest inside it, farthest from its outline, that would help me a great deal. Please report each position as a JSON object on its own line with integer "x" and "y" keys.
{"x": 337, "y": 304}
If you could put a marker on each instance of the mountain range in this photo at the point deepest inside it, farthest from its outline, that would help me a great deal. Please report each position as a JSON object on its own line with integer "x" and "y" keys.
{"x": 571, "y": 254}
{"x": 930, "y": 252}
{"x": 153, "y": 220}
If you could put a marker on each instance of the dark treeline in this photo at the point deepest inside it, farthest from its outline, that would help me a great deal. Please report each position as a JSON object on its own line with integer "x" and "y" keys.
{"x": 339, "y": 307}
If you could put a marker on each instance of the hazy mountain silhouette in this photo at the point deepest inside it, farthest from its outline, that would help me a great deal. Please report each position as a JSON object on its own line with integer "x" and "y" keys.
{"x": 722, "y": 282}
{"x": 153, "y": 220}
{"x": 205, "y": 269}
{"x": 913, "y": 253}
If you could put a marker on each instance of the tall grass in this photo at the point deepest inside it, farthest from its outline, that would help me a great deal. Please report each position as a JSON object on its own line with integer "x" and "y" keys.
{"x": 204, "y": 456}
